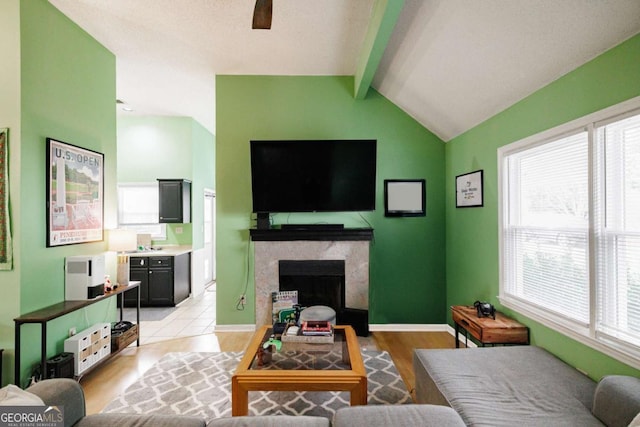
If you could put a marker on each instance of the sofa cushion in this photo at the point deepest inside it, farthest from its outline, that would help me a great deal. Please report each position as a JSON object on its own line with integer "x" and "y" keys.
{"x": 495, "y": 386}
{"x": 12, "y": 395}
{"x": 397, "y": 416}
{"x": 139, "y": 420}
{"x": 617, "y": 400}
{"x": 270, "y": 421}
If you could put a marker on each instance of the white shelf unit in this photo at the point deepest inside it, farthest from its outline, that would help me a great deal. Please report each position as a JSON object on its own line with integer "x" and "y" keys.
{"x": 89, "y": 347}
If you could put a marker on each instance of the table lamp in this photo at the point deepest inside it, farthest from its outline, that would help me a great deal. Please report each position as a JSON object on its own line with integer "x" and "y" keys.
{"x": 121, "y": 241}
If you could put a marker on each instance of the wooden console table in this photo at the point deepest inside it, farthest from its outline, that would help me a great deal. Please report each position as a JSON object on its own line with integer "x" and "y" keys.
{"x": 502, "y": 330}
{"x": 46, "y": 314}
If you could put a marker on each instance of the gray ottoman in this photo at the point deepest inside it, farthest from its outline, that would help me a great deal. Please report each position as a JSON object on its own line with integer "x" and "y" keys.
{"x": 318, "y": 312}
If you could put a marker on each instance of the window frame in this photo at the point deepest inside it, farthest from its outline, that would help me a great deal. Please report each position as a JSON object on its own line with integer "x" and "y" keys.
{"x": 157, "y": 230}
{"x": 585, "y": 334}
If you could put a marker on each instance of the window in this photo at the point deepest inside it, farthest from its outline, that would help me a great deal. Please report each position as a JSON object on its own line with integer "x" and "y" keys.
{"x": 570, "y": 229}
{"x": 139, "y": 209}
{"x": 618, "y": 231}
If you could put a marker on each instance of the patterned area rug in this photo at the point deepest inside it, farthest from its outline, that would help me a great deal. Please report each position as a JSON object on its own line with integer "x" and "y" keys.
{"x": 199, "y": 384}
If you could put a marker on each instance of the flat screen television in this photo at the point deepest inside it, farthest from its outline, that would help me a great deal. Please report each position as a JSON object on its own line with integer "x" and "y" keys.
{"x": 313, "y": 176}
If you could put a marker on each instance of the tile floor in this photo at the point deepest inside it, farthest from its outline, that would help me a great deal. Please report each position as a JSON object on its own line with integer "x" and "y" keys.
{"x": 194, "y": 316}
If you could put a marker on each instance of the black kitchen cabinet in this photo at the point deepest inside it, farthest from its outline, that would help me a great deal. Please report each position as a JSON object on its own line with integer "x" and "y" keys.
{"x": 161, "y": 281}
{"x": 138, "y": 271}
{"x": 175, "y": 200}
{"x": 164, "y": 280}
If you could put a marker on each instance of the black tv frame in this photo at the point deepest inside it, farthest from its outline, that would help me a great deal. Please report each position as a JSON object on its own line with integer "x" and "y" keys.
{"x": 263, "y": 211}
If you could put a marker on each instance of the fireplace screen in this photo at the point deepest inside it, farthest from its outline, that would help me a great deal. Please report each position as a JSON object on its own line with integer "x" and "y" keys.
{"x": 318, "y": 282}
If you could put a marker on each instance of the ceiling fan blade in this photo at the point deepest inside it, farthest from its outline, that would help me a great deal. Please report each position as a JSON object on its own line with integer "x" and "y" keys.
{"x": 262, "y": 15}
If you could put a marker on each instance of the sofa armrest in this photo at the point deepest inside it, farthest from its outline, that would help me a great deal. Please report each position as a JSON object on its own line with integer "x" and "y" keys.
{"x": 617, "y": 400}
{"x": 63, "y": 392}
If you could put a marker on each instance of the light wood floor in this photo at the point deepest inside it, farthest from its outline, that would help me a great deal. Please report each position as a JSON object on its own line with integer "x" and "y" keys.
{"x": 112, "y": 378}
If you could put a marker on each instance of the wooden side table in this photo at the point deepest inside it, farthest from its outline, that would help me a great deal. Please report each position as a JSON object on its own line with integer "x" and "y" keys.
{"x": 502, "y": 330}
{"x": 46, "y": 314}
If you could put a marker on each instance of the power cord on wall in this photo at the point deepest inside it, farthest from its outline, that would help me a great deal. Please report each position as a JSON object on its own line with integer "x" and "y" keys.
{"x": 241, "y": 303}
{"x": 373, "y": 238}
{"x": 242, "y": 300}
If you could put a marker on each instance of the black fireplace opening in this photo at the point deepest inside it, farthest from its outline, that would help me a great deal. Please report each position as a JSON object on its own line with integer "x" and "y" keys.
{"x": 318, "y": 282}
{"x": 322, "y": 282}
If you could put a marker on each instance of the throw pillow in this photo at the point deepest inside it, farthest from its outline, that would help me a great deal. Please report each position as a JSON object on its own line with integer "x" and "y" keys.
{"x": 12, "y": 395}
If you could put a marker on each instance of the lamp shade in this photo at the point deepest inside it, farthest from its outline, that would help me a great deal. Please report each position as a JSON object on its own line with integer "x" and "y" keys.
{"x": 122, "y": 240}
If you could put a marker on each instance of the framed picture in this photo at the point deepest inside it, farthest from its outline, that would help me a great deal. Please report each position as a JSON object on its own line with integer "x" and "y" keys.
{"x": 75, "y": 194}
{"x": 405, "y": 197}
{"x": 469, "y": 190}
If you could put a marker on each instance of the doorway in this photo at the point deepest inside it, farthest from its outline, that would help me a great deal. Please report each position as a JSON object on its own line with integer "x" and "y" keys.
{"x": 209, "y": 237}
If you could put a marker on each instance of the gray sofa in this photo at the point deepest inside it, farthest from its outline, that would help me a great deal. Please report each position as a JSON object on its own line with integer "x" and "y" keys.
{"x": 68, "y": 393}
{"x": 523, "y": 386}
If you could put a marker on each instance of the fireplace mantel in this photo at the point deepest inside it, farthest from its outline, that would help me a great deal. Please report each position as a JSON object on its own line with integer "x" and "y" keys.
{"x": 320, "y": 234}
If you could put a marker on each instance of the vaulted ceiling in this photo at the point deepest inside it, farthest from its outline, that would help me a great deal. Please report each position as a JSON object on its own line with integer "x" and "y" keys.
{"x": 450, "y": 64}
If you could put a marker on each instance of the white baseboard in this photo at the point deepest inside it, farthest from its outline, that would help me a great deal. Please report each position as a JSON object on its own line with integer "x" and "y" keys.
{"x": 390, "y": 327}
{"x": 235, "y": 328}
{"x": 407, "y": 327}
{"x": 461, "y": 338}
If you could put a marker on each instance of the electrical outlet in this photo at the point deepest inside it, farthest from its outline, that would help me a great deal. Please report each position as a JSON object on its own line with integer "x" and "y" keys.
{"x": 72, "y": 332}
{"x": 178, "y": 230}
{"x": 243, "y": 299}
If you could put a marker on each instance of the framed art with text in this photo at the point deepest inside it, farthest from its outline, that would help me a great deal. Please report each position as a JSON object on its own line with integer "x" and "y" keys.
{"x": 469, "y": 190}
{"x": 75, "y": 199}
{"x": 405, "y": 197}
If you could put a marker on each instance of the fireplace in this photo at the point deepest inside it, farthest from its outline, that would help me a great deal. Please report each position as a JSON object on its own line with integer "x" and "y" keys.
{"x": 318, "y": 282}
{"x": 346, "y": 250}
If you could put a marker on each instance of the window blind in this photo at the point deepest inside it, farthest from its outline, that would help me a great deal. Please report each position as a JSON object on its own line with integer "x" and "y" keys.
{"x": 618, "y": 229}
{"x": 138, "y": 203}
{"x": 139, "y": 209}
{"x": 545, "y": 234}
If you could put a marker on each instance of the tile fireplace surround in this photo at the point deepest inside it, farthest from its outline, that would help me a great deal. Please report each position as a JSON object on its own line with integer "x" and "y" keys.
{"x": 268, "y": 253}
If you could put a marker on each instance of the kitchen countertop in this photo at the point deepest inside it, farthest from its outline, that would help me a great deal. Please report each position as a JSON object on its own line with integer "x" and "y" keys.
{"x": 168, "y": 250}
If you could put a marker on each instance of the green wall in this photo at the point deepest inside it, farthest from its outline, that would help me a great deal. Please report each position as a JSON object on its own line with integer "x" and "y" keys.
{"x": 152, "y": 147}
{"x": 67, "y": 91}
{"x": 472, "y": 234}
{"x": 10, "y": 118}
{"x": 407, "y": 280}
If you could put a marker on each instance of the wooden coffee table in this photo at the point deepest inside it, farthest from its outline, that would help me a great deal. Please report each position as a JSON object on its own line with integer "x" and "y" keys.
{"x": 284, "y": 372}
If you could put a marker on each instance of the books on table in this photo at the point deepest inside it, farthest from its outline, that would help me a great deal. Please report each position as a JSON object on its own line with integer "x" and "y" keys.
{"x": 316, "y": 328}
{"x": 282, "y": 303}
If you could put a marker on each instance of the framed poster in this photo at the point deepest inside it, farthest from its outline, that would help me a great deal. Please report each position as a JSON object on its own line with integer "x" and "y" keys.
{"x": 75, "y": 194}
{"x": 404, "y": 197}
{"x": 469, "y": 190}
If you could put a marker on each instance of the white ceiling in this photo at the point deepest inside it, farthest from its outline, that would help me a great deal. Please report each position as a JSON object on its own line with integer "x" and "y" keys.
{"x": 450, "y": 64}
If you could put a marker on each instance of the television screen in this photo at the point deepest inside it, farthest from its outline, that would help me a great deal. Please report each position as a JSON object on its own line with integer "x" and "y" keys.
{"x": 313, "y": 176}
